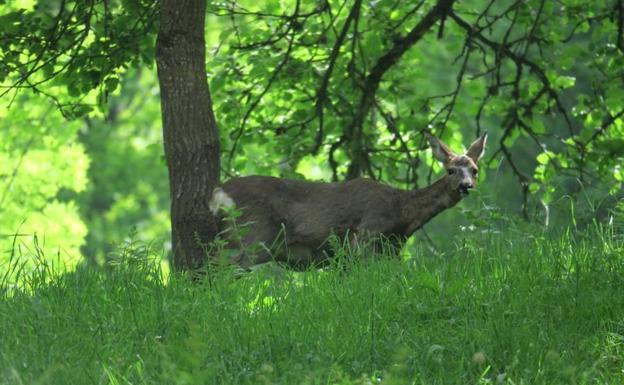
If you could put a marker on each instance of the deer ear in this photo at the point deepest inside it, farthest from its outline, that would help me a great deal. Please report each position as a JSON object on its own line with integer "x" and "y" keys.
{"x": 477, "y": 148}
{"x": 440, "y": 150}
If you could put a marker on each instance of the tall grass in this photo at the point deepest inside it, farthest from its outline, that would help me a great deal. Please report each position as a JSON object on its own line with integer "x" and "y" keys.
{"x": 500, "y": 308}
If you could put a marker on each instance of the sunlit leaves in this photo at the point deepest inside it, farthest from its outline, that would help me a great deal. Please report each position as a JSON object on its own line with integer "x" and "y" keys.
{"x": 553, "y": 90}
{"x": 545, "y": 81}
{"x": 77, "y": 46}
{"x": 40, "y": 162}
{"x": 128, "y": 184}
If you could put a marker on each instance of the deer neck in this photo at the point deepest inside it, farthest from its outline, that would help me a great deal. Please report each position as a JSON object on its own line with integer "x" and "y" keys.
{"x": 422, "y": 205}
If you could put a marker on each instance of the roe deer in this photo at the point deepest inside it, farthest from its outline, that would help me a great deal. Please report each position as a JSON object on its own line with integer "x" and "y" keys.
{"x": 291, "y": 220}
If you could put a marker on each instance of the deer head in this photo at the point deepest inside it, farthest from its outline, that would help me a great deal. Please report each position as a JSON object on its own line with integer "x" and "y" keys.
{"x": 462, "y": 170}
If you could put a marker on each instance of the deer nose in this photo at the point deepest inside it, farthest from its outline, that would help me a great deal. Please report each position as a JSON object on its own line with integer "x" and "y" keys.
{"x": 464, "y": 187}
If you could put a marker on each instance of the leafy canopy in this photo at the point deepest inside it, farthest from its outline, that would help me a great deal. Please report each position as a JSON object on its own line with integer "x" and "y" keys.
{"x": 324, "y": 89}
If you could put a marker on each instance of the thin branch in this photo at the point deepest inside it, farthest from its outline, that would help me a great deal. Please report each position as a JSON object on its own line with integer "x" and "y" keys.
{"x": 254, "y": 104}
{"x": 619, "y": 8}
{"x": 383, "y": 64}
{"x": 322, "y": 90}
{"x": 608, "y": 121}
{"x": 474, "y": 32}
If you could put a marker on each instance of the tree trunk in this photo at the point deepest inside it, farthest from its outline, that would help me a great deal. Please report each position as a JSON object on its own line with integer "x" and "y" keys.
{"x": 190, "y": 133}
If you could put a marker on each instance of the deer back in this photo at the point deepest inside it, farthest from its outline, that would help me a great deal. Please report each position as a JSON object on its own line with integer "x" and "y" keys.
{"x": 311, "y": 211}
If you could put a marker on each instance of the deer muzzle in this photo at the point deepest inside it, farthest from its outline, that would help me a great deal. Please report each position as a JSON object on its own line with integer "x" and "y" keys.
{"x": 464, "y": 188}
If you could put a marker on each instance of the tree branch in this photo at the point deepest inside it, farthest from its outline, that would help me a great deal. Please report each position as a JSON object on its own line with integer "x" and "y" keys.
{"x": 321, "y": 94}
{"x": 372, "y": 81}
{"x": 475, "y": 32}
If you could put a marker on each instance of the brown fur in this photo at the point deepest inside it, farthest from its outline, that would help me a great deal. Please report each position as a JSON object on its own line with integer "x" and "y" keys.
{"x": 293, "y": 219}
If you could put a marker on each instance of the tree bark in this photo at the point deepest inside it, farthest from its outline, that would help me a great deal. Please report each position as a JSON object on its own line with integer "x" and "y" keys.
{"x": 190, "y": 132}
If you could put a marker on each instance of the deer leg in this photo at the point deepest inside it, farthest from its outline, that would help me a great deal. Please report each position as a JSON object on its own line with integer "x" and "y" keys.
{"x": 258, "y": 245}
{"x": 375, "y": 241}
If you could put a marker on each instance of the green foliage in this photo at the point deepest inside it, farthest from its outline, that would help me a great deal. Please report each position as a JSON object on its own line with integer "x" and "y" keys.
{"x": 71, "y": 49}
{"x": 289, "y": 88}
{"x": 510, "y": 308}
{"x": 40, "y": 162}
{"x": 128, "y": 187}
{"x": 543, "y": 79}
{"x": 507, "y": 304}
{"x": 84, "y": 185}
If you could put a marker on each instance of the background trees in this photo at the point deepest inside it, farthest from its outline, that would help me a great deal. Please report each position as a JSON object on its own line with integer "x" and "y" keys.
{"x": 324, "y": 89}
{"x": 544, "y": 76}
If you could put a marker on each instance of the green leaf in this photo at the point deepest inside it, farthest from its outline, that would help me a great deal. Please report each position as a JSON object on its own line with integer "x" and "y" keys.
{"x": 563, "y": 82}
{"x": 111, "y": 84}
{"x": 543, "y": 158}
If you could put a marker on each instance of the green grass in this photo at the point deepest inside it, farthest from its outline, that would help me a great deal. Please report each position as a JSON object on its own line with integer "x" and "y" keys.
{"x": 500, "y": 308}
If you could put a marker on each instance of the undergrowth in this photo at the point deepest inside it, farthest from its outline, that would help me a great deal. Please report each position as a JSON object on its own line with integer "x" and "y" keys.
{"x": 500, "y": 308}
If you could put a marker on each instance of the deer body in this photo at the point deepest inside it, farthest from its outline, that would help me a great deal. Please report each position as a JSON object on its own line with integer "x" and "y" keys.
{"x": 293, "y": 219}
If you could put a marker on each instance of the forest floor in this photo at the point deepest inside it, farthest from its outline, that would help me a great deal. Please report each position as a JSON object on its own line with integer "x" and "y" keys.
{"x": 501, "y": 308}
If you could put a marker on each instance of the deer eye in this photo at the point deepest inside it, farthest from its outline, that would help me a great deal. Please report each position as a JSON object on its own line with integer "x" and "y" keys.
{"x": 450, "y": 171}
{"x": 475, "y": 172}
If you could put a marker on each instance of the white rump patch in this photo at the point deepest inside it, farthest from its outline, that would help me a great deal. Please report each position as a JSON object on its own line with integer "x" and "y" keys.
{"x": 219, "y": 200}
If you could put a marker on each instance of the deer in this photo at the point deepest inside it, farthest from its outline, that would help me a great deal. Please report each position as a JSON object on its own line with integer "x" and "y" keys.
{"x": 290, "y": 221}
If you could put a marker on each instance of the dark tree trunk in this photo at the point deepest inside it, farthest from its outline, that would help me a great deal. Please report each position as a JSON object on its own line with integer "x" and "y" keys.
{"x": 190, "y": 131}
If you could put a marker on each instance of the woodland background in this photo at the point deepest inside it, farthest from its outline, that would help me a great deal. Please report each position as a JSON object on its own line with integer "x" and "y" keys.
{"x": 309, "y": 89}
